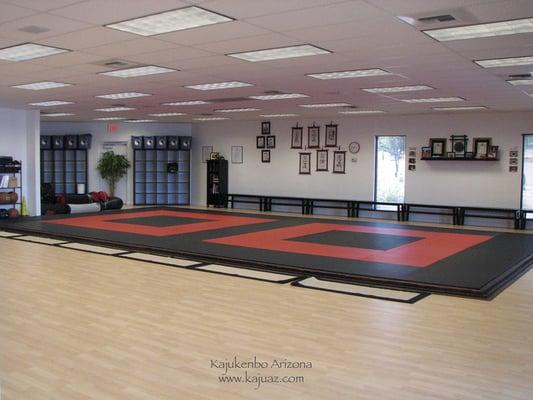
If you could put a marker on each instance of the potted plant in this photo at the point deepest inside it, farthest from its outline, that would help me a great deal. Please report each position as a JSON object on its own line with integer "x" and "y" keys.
{"x": 112, "y": 167}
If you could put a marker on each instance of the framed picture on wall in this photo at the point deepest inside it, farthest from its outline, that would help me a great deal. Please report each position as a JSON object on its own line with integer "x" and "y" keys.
{"x": 313, "y": 137}
{"x": 481, "y": 147}
{"x": 305, "y": 163}
{"x": 426, "y": 152}
{"x": 331, "y": 136}
{"x": 265, "y": 156}
{"x": 297, "y": 137}
{"x": 339, "y": 162}
{"x": 270, "y": 142}
{"x": 493, "y": 152}
{"x": 438, "y": 147}
{"x": 265, "y": 128}
{"x": 206, "y": 153}
{"x": 260, "y": 142}
{"x": 236, "y": 155}
{"x": 322, "y": 160}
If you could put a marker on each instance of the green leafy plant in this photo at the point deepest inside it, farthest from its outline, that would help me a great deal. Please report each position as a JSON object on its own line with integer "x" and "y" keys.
{"x": 112, "y": 167}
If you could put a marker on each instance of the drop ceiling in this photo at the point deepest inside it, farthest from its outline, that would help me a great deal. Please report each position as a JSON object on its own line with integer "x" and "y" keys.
{"x": 358, "y": 34}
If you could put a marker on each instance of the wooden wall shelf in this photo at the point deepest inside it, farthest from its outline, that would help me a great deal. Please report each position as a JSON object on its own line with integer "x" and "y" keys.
{"x": 458, "y": 159}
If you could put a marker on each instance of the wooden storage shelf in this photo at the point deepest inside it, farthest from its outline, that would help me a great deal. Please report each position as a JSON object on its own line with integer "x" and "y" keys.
{"x": 458, "y": 159}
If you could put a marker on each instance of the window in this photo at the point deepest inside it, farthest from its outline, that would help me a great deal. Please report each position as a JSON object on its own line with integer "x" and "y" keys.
{"x": 390, "y": 169}
{"x": 527, "y": 177}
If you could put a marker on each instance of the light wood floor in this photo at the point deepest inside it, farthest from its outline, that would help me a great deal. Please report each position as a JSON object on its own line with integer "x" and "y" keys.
{"x": 75, "y": 325}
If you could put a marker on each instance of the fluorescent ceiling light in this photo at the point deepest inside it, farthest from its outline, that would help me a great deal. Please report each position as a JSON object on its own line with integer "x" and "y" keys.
{"x": 210, "y": 119}
{"x": 51, "y": 103}
{"x": 505, "y": 62}
{"x": 56, "y": 114}
{"x": 502, "y": 28}
{"x": 230, "y": 110}
{"x": 521, "y": 82}
{"x": 278, "y": 115}
{"x": 170, "y": 21}
{"x": 170, "y": 114}
{"x": 111, "y": 109}
{"x": 279, "y": 96}
{"x": 325, "y": 105}
{"x": 360, "y": 73}
{"x": 362, "y": 112}
{"x": 398, "y": 89}
{"x": 126, "y": 95}
{"x": 469, "y": 108}
{"x": 187, "y": 103}
{"x": 219, "y": 85}
{"x": 28, "y": 51}
{"x": 108, "y": 118}
{"x": 138, "y": 71}
{"x": 41, "y": 85}
{"x": 280, "y": 53}
{"x": 140, "y": 120}
{"x": 434, "y": 100}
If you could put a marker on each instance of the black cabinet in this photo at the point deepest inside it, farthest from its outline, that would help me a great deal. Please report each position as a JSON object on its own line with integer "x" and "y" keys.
{"x": 217, "y": 183}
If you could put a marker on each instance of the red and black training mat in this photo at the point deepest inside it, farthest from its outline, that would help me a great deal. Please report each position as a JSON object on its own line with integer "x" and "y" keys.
{"x": 470, "y": 263}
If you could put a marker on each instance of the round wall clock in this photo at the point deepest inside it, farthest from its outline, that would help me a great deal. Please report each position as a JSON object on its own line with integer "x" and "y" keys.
{"x": 354, "y": 147}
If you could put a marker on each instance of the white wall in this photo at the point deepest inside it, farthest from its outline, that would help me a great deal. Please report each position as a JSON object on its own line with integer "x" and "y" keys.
{"x": 19, "y": 138}
{"x": 100, "y": 133}
{"x": 454, "y": 183}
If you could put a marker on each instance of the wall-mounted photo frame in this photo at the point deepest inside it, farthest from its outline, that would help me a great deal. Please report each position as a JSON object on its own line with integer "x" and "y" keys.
{"x": 469, "y": 154}
{"x": 513, "y": 153}
{"x": 260, "y": 142}
{"x": 270, "y": 142}
{"x": 331, "y": 135}
{"x": 513, "y": 161}
{"x": 426, "y": 152}
{"x": 322, "y": 160}
{"x": 438, "y": 147}
{"x": 339, "y": 162}
{"x": 412, "y": 160}
{"x": 493, "y": 152}
{"x": 305, "y": 163}
{"x": 481, "y": 147}
{"x": 265, "y": 128}
{"x": 206, "y": 153}
{"x": 297, "y": 137}
{"x": 451, "y": 154}
{"x": 412, "y": 167}
{"x": 265, "y": 156}
{"x": 236, "y": 155}
{"x": 513, "y": 168}
{"x": 459, "y": 144}
{"x": 313, "y": 137}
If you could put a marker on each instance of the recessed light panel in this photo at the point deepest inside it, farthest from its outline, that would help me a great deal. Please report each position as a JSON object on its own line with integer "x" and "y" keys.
{"x": 41, "y": 85}
{"x": 219, "y": 85}
{"x": 140, "y": 120}
{"x": 170, "y": 114}
{"x": 502, "y": 28}
{"x": 112, "y": 109}
{"x": 362, "y": 112}
{"x": 56, "y": 114}
{"x": 434, "y": 100}
{"x": 28, "y": 51}
{"x": 278, "y": 115}
{"x": 138, "y": 71}
{"x": 505, "y": 62}
{"x": 521, "y": 82}
{"x": 280, "y": 53}
{"x": 230, "y": 110}
{"x": 398, "y": 89}
{"x": 210, "y": 119}
{"x": 108, "y": 118}
{"x": 126, "y": 95}
{"x": 187, "y": 103}
{"x": 326, "y": 105}
{"x": 279, "y": 96}
{"x": 170, "y": 21}
{"x": 470, "y": 108}
{"x": 360, "y": 73}
{"x": 51, "y": 103}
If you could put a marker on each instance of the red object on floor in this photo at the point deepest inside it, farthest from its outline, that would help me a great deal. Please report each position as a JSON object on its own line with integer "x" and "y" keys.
{"x": 433, "y": 246}
{"x": 112, "y": 222}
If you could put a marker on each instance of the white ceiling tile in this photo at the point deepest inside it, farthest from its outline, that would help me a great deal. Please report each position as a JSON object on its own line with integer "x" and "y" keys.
{"x": 42, "y": 5}
{"x": 130, "y": 47}
{"x": 168, "y": 55}
{"x": 56, "y": 26}
{"x": 11, "y": 12}
{"x": 85, "y": 38}
{"x": 268, "y": 41}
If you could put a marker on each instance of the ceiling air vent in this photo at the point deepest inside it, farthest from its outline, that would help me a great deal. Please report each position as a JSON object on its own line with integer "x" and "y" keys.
{"x": 115, "y": 64}
{"x": 273, "y": 92}
{"x": 437, "y": 18}
{"x": 515, "y": 76}
{"x": 34, "y": 29}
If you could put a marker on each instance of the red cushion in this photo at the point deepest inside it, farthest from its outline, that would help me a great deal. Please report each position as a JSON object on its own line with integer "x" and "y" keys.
{"x": 94, "y": 197}
{"x": 103, "y": 196}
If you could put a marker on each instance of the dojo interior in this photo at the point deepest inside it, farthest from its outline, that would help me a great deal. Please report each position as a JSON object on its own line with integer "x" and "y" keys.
{"x": 315, "y": 199}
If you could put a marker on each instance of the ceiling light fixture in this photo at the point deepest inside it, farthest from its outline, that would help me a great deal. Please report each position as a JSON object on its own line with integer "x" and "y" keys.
{"x": 28, "y": 51}
{"x": 186, "y": 103}
{"x": 56, "y": 114}
{"x": 210, "y": 119}
{"x": 170, "y": 114}
{"x": 521, "y": 82}
{"x": 362, "y": 112}
{"x": 434, "y": 100}
{"x": 398, "y": 89}
{"x": 491, "y": 29}
{"x": 505, "y": 62}
{"x": 108, "y": 118}
{"x": 51, "y": 103}
{"x": 469, "y": 108}
{"x": 278, "y": 115}
{"x": 138, "y": 71}
{"x": 170, "y": 21}
{"x": 219, "y": 85}
{"x": 326, "y": 105}
{"x": 279, "y": 53}
{"x": 140, "y": 120}
{"x": 41, "y": 85}
{"x": 279, "y": 96}
{"x": 230, "y": 110}
{"x": 358, "y": 73}
{"x": 112, "y": 109}
{"x": 125, "y": 95}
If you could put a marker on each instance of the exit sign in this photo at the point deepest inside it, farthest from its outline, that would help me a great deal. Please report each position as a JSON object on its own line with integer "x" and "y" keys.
{"x": 112, "y": 128}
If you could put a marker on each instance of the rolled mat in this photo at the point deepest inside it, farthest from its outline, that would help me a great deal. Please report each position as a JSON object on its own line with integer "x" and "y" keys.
{"x": 84, "y": 208}
{"x": 78, "y": 199}
{"x": 114, "y": 203}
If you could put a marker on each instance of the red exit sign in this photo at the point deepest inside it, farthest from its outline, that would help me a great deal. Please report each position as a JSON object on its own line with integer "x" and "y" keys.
{"x": 112, "y": 128}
